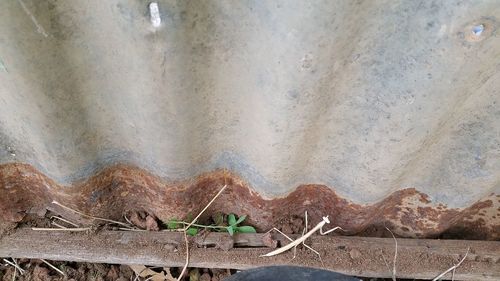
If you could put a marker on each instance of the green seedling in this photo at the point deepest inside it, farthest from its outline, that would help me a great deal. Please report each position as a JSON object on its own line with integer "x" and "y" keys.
{"x": 232, "y": 227}
{"x": 173, "y": 224}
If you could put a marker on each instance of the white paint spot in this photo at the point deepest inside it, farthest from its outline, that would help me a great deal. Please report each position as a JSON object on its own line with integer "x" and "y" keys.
{"x": 39, "y": 28}
{"x": 154, "y": 12}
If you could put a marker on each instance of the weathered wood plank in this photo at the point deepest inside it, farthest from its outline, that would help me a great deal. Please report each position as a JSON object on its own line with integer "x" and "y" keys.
{"x": 423, "y": 259}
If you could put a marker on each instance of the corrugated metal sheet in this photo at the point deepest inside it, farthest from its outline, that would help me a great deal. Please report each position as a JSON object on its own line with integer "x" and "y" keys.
{"x": 368, "y": 98}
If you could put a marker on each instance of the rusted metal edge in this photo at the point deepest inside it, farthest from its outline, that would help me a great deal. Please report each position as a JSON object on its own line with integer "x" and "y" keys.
{"x": 358, "y": 256}
{"x": 117, "y": 189}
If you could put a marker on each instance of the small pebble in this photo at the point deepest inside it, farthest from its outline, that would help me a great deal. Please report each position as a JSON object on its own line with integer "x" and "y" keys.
{"x": 355, "y": 254}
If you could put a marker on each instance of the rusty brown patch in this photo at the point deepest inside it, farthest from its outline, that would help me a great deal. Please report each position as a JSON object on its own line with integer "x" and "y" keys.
{"x": 118, "y": 189}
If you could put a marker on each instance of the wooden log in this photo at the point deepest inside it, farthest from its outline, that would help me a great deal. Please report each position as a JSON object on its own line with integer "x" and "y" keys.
{"x": 357, "y": 256}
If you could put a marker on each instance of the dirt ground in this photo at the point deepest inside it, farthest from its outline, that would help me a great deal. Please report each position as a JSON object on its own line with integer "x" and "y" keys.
{"x": 37, "y": 270}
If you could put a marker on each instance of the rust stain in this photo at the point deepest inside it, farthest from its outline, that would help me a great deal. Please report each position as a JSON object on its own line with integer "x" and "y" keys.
{"x": 118, "y": 189}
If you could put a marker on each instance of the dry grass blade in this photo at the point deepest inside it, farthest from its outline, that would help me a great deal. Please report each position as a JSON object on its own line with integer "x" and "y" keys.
{"x": 206, "y": 207}
{"x": 91, "y": 217}
{"x": 395, "y": 255}
{"x": 53, "y": 267}
{"x": 131, "y": 229}
{"x": 126, "y": 218}
{"x": 453, "y": 267}
{"x": 14, "y": 260}
{"x": 60, "y": 229}
{"x": 187, "y": 257}
{"x": 190, "y": 224}
{"x": 58, "y": 225}
{"x": 15, "y": 265}
{"x": 65, "y": 220}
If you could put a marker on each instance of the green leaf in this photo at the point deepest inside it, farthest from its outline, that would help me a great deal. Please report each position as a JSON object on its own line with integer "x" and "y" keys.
{"x": 240, "y": 219}
{"x": 173, "y": 224}
{"x": 192, "y": 231}
{"x": 231, "y": 219}
{"x": 230, "y": 229}
{"x": 246, "y": 229}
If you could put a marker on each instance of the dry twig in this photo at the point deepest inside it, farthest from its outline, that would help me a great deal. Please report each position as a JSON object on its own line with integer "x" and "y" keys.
{"x": 453, "y": 267}
{"x": 53, "y": 267}
{"x": 91, "y": 217}
{"x": 189, "y": 225}
{"x": 60, "y": 229}
{"x": 395, "y": 255}
{"x": 65, "y": 220}
{"x": 131, "y": 229}
{"x": 129, "y": 222}
{"x": 15, "y": 265}
{"x": 58, "y": 225}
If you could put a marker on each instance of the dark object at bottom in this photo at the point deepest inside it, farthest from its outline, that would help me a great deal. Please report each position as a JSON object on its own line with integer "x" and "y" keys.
{"x": 288, "y": 273}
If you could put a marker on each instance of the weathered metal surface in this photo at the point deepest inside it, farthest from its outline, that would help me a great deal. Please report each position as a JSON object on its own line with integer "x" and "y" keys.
{"x": 366, "y": 98}
{"x": 118, "y": 189}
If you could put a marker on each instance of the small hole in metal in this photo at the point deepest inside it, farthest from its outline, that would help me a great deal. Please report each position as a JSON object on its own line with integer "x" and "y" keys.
{"x": 478, "y": 29}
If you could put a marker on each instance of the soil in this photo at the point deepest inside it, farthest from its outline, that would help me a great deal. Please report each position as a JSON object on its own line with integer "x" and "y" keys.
{"x": 143, "y": 220}
{"x": 36, "y": 270}
{"x": 269, "y": 241}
